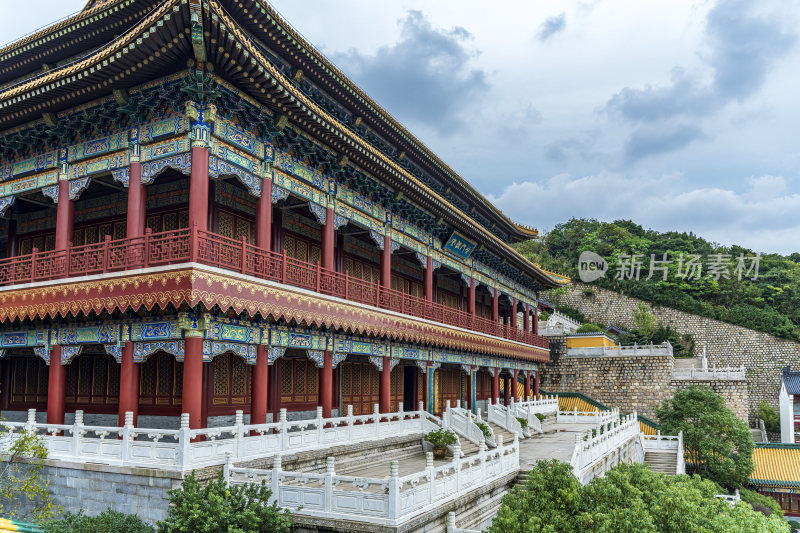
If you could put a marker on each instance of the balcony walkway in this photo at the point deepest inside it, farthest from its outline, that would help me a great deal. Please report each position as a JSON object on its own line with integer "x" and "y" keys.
{"x": 185, "y": 246}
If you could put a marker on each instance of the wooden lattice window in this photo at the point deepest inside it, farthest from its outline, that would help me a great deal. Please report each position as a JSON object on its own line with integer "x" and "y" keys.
{"x": 361, "y": 270}
{"x": 398, "y": 381}
{"x": 360, "y": 383}
{"x": 449, "y": 381}
{"x": 160, "y": 381}
{"x": 235, "y": 227}
{"x": 299, "y": 384}
{"x": 447, "y": 298}
{"x": 92, "y": 380}
{"x": 483, "y": 382}
{"x": 29, "y": 378}
{"x": 231, "y": 381}
{"x": 159, "y": 222}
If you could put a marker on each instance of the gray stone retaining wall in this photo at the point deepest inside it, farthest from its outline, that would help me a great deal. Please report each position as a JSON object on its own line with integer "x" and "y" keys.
{"x": 726, "y": 345}
{"x": 629, "y": 383}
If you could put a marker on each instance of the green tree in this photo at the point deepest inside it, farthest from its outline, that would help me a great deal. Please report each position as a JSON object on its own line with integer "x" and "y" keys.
{"x": 548, "y": 504}
{"x": 772, "y": 420}
{"x": 588, "y": 327}
{"x": 628, "y": 499}
{"x": 218, "y": 508}
{"x": 718, "y": 444}
{"x": 22, "y": 484}
{"x": 644, "y": 321}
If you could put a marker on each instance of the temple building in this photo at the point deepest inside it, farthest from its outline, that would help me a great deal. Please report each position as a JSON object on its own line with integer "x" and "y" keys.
{"x": 200, "y": 214}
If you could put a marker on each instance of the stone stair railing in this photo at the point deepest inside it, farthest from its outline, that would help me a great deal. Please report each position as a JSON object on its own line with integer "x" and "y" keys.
{"x": 388, "y": 501}
{"x": 451, "y": 525}
{"x": 598, "y": 444}
{"x": 667, "y": 443}
{"x": 460, "y": 421}
{"x": 712, "y": 373}
{"x": 586, "y": 417}
{"x": 186, "y": 449}
{"x": 504, "y": 417}
{"x": 530, "y": 408}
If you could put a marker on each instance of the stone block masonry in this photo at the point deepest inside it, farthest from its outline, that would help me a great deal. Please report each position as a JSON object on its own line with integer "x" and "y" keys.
{"x": 631, "y": 383}
{"x": 95, "y": 487}
{"x": 726, "y": 345}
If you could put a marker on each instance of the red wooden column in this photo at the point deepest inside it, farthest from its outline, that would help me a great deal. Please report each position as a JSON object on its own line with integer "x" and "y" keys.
{"x": 137, "y": 201}
{"x": 192, "y": 401}
{"x": 386, "y": 263}
{"x": 496, "y": 385}
{"x": 526, "y": 321}
{"x": 428, "y": 285}
{"x": 535, "y": 319}
{"x": 471, "y": 297}
{"x": 56, "y": 387}
{"x": 264, "y": 218}
{"x": 513, "y": 314}
{"x": 65, "y": 216}
{"x": 506, "y": 390}
{"x": 258, "y": 394}
{"x": 496, "y": 306}
{"x": 198, "y": 189}
{"x": 514, "y": 385}
{"x": 536, "y": 385}
{"x": 11, "y": 249}
{"x": 527, "y": 385}
{"x": 329, "y": 239}
{"x": 326, "y": 385}
{"x": 128, "y": 385}
{"x": 385, "y": 387}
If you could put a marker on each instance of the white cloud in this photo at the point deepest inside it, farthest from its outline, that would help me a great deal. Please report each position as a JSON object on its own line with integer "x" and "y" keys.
{"x": 763, "y": 217}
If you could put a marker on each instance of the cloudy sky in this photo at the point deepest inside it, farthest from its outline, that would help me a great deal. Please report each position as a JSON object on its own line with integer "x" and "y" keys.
{"x": 679, "y": 115}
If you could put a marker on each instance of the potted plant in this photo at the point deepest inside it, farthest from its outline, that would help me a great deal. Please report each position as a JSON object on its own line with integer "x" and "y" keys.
{"x": 440, "y": 440}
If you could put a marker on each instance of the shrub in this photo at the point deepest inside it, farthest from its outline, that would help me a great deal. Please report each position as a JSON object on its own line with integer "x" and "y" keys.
{"x": 217, "y": 507}
{"x": 589, "y": 328}
{"x": 21, "y": 476}
{"x": 544, "y": 316}
{"x": 484, "y": 429}
{"x": 628, "y": 499}
{"x": 794, "y": 524}
{"x": 573, "y": 313}
{"x": 772, "y": 421}
{"x": 540, "y": 416}
{"x": 522, "y": 422}
{"x": 441, "y": 438}
{"x": 109, "y": 521}
{"x": 761, "y": 503}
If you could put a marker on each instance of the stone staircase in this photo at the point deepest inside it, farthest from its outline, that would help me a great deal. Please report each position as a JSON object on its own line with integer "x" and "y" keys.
{"x": 664, "y": 462}
{"x": 468, "y": 447}
{"x": 507, "y": 435}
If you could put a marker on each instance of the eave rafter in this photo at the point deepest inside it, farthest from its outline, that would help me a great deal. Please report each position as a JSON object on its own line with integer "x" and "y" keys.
{"x": 176, "y": 30}
{"x": 271, "y": 28}
{"x": 242, "y": 60}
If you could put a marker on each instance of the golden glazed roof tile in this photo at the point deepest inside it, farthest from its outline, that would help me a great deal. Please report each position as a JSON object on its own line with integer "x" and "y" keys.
{"x": 776, "y": 465}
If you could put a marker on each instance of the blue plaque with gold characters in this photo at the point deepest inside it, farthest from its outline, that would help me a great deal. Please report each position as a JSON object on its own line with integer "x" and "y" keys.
{"x": 459, "y": 246}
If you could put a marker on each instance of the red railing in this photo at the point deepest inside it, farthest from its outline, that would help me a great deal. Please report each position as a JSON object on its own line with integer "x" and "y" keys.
{"x": 185, "y": 245}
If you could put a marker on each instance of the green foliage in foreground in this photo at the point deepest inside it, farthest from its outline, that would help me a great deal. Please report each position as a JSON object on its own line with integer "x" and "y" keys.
{"x": 22, "y": 483}
{"x": 761, "y": 503}
{"x": 629, "y": 499}
{"x": 216, "y": 508}
{"x": 108, "y": 521}
{"x": 719, "y": 446}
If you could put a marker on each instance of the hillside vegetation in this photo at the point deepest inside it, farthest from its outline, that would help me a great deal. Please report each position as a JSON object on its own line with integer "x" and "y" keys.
{"x": 769, "y": 303}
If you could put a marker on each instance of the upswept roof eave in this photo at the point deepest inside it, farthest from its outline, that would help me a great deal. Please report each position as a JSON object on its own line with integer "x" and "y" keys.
{"x": 84, "y": 13}
{"x": 311, "y": 108}
{"x": 520, "y": 230}
{"x": 531, "y": 269}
